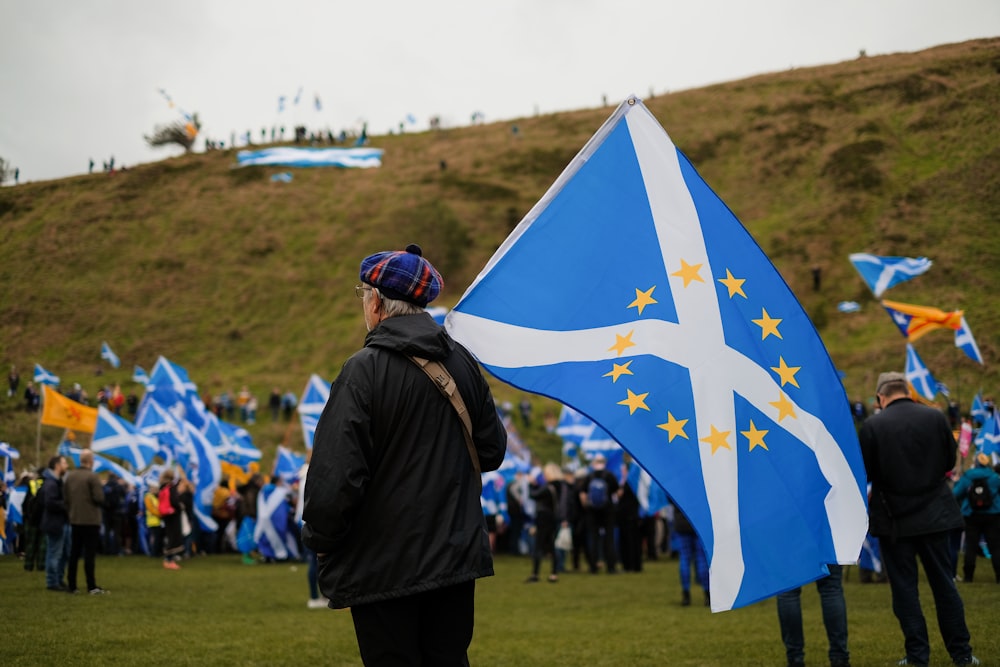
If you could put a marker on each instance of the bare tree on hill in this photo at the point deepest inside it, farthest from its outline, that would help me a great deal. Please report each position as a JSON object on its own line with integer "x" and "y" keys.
{"x": 180, "y": 133}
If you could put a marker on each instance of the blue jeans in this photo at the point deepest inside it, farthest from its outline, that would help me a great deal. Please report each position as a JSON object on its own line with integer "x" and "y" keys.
{"x": 56, "y": 554}
{"x": 900, "y": 559}
{"x": 311, "y": 573}
{"x": 831, "y": 599}
{"x": 692, "y": 552}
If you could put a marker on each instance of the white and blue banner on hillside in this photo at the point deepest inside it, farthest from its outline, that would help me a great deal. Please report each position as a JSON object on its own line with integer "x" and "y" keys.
{"x": 633, "y": 294}
{"x": 966, "y": 343}
{"x": 881, "y": 273}
{"x": 42, "y": 376}
{"x": 118, "y": 437}
{"x": 287, "y": 156}
{"x": 919, "y": 376}
{"x": 109, "y": 355}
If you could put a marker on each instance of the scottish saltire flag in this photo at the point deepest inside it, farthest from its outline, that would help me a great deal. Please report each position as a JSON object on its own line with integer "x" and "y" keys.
{"x": 942, "y": 389}
{"x": 438, "y": 313}
{"x": 966, "y": 343}
{"x": 287, "y": 464}
{"x": 494, "y": 496}
{"x": 155, "y": 420}
{"x": 848, "y": 307}
{"x": 42, "y": 376}
{"x": 204, "y": 471}
{"x": 274, "y": 516}
{"x": 8, "y": 453}
{"x": 988, "y": 439}
{"x": 978, "y": 411}
{"x": 309, "y": 424}
{"x": 314, "y": 399}
{"x": 652, "y": 497}
{"x": 881, "y": 273}
{"x": 140, "y": 376}
{"x": 101, "y": 464}
{"x": 573, "y": 426}
{"x": 170, "y": 385}
{"x": 918, "y": 376}
{"x": 236, "y": 445}
{"x": 632, "y": 293}
{"x": 871, "y": 555}
{"x": 600, "y": 442}
{"x": 119, "y": 438}
{"x": 915, "y": 321}
{"x": 109, "y": 355}
{"x": 288, "y": 156}
{"x": 15, "y": 501}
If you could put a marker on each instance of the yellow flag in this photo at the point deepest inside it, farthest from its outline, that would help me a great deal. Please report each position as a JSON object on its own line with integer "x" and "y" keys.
{"x": 922, "y": 319}
{"x": 61, "y": 411}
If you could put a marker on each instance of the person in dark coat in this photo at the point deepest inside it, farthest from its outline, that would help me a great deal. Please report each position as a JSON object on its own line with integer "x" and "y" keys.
{"x": 392, "y": 497}
{"x": 980, "y": 522}
{"x": 55, "y": 523}
{"x": 553, "y": 500}
{"x": 908, "y": 450}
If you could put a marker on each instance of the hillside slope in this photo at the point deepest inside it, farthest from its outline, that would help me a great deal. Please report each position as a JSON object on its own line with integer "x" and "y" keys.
{"x": 247, "y": 281}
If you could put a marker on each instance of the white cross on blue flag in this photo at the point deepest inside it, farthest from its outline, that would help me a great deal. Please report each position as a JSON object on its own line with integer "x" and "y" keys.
{"x": 631, "y": 293}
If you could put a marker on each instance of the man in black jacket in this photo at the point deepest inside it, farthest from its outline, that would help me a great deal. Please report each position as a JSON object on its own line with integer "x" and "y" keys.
{"x": 55, "y": 523}
{"x": 908, "y": 449}
{"x": 392, "y": 502}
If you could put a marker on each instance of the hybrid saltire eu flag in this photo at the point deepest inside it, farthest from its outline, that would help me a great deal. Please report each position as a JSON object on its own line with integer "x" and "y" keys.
{"x": 631, "y": 293}
{"x": 57, "y": 410}
{"x": 109, "y": 355}
{"x": 118, "y": 437}
{"x": 914, "y": 321}
{"x": 920, "y": 379}
{"x": 42, "y": 376}
{"x": 881, "y": 273}
{"x": 966, "y": 343}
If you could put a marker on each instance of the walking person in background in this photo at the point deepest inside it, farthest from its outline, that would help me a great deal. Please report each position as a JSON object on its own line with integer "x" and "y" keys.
{"x": 552, "y": 501}
{"x": 908, "y": 450}
{"x": 84, "y": 500}
{"x": 171, "y": 513}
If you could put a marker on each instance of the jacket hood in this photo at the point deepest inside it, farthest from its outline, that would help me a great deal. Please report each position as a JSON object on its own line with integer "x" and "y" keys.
{"x": 48, "y": 474}
{"x": 412, "y": 335}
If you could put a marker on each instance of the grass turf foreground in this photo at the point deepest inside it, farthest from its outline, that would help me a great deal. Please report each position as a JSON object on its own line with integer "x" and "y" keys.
{"x": 218, "y": 611}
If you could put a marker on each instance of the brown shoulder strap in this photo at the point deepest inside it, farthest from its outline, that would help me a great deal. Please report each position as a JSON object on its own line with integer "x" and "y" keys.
{"x": 446, "y": 385}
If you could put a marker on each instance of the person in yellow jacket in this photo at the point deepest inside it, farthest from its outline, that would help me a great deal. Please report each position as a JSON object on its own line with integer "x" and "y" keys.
{"x": 154, "y": 525}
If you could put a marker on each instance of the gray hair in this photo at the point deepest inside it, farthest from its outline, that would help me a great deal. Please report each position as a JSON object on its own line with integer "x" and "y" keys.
{"x": 397, "y": 307}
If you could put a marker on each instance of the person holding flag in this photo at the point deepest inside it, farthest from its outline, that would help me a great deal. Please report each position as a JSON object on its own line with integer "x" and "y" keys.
{"x": 392, "y": 497}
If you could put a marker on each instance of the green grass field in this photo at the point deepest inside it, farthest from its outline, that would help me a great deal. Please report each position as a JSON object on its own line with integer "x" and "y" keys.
{"x": 218, "y": 611}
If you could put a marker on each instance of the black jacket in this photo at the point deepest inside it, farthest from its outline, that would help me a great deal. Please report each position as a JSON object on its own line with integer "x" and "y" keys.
{"x": 908, "y": 449}
{"x": 54, "y": 513}
{"x": 391, "y": 496}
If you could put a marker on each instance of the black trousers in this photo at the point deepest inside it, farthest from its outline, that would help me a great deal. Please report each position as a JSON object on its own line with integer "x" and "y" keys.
{"x": 85, "y": 542}
{"x": 978, "y": 526}
{"x": 432, "y": 628}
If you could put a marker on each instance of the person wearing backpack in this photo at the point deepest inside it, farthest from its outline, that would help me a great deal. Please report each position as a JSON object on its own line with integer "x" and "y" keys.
{"x": 978, "y": 492}
{"x": 598, "y": 494}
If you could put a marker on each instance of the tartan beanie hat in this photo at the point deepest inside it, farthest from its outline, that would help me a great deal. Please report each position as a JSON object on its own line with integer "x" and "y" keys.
{"x": 402, "y": 274}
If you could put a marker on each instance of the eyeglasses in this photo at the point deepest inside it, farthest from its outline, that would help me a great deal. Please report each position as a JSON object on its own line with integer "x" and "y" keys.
{"x": 359, "y": 290}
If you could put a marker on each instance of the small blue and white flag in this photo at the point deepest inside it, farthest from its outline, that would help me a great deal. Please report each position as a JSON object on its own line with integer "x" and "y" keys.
{"x": 101, "y": 464}
{"x": 600, "y": 443}
{"x": 288, "y": 156}
{"x": 42, "y": 376}
{"x": 281, "y": 103}
{"x": 988, "y": 439}
{"x": 848, "y": 307}
{"x": 140, "y": 376}
{"x": 118, "y": 437}
{"x": 672, "y": 330}
{"x": 979, "y": 412}
{"x": 287, "y": 464}
{"x": 108, "y": 354}
{"x": 966, "y": 343}
{"x": 942, "y": 389}
{"x": 881, "y": 273}
{"x": 315, "y": 396}
{"x": 918, "y": 376}
{"x": 652, "y": 498}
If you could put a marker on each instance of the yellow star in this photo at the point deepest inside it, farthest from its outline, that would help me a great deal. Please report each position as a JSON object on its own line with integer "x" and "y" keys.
{"x": 674, "y": 427}
{"x": 785, "y": 407}
{"x": 786, "y": 373}
{"x": 768, "y": 325}
{"x": 643, "y": 299}
{"x": 635, "y": 401}
{"x": 622, "y": 343}
{"x": 619, "y": 370}
{"x": 688, "y": 272}
{"x": 734, "y": 285}
{"x": 718, "y": 439}
{"x": 755, "y": 436}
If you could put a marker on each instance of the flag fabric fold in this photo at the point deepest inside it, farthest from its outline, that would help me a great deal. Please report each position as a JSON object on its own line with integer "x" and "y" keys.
{"x": 919, "y": 376}
{"x": 118, "y": 437}
{"x": 881, "y": 273}
{"x": 57, "y": 410}
{"x": 633, "y": 294}
{"x": 915, "y": 321}
{"x": 108, "y": 355}
{"x": 966, "y": 343}
{"x": 979, "y": 412}
{"x": 140, "y": 376}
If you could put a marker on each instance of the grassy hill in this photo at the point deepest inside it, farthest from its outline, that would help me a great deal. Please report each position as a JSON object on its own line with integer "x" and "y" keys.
{"x": 245, "y": 281}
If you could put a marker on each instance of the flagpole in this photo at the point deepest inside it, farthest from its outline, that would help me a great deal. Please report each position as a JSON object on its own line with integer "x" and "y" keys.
{"x": 38, "y": 435}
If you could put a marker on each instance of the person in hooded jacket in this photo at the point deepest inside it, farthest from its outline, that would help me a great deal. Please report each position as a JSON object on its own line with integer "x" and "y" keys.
{"x": 980, "y": 522}
{"x": 392, "y": 496}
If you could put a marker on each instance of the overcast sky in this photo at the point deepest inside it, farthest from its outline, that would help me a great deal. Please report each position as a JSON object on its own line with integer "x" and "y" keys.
{"x": 81, "y": 80}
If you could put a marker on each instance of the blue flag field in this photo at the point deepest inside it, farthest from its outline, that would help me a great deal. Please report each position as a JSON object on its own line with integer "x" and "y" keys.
{"x": 631, "y": 293}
